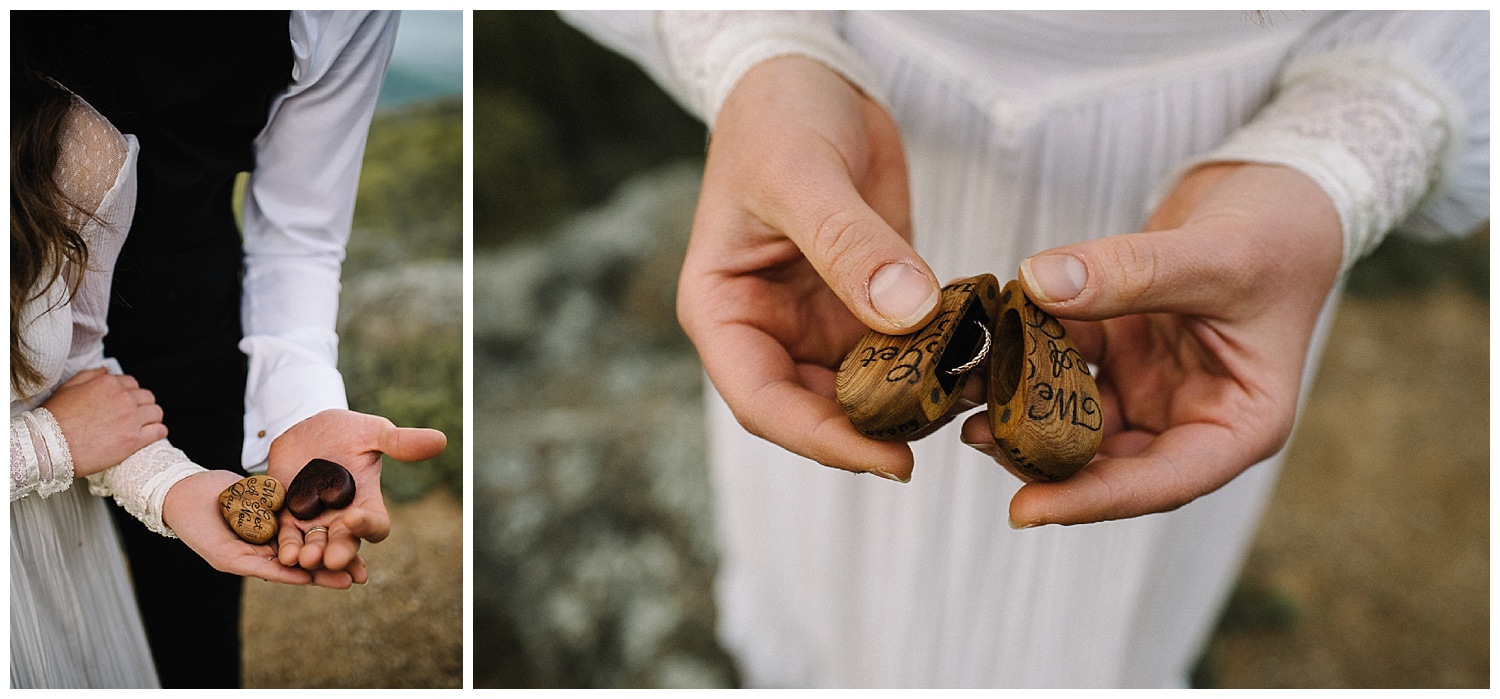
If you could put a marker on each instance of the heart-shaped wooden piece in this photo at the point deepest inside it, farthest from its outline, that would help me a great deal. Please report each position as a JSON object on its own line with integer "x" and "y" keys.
{"x": 321, "y": 485}
{"x": 1043, "y": 402}
{"x": 249, "y": 507}
{"x": 893, "y": 386}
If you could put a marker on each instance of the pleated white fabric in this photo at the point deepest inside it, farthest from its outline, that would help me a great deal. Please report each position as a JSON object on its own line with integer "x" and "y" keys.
{"x": 1023, "y": 132}
{"x": 73, "y": 617}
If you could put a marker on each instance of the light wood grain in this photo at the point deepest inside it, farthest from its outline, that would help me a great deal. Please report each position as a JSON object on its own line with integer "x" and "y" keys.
{"x": 893, "y": 386}
{"x": 250, "y": 506}
{"x": 1043, "y": 402}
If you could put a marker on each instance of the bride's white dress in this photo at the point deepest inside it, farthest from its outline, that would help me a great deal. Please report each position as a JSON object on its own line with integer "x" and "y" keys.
{"x": 1025, "y": 131}
{"x": 73, "y": 616}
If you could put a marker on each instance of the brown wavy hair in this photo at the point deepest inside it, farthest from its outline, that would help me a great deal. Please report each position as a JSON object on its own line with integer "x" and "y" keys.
{"x": 46, "y": 246}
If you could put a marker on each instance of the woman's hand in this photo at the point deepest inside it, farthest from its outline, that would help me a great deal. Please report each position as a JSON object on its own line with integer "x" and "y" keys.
{"x": 356, "y": 441}
{"x": 1200, "y": 330}
{"x": 191, "y": 509}
{"x": 105, "y": 418}
{"x": 800, "y": 245}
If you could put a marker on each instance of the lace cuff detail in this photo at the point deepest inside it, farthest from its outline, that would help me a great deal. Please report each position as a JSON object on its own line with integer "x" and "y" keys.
{"x": 39, "y": 459}
{"x": 708, "y": 52}
{"x": 140, "y": 483}
{"x": 1370, "y": 130}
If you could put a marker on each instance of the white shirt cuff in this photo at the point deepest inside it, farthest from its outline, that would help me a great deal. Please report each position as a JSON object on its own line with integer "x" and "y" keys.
{"x": 288, "y": 383}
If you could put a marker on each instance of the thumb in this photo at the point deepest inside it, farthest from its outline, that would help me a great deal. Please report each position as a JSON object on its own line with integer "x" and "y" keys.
{"x": 1158, "y": 272}
{"x": 820, "y": 162}
{"x": 412, "y": 443}
{"x": 872, "y": 268}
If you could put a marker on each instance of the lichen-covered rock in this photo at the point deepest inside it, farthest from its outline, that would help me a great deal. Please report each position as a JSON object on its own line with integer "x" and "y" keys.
{"x": 593, "y": 531}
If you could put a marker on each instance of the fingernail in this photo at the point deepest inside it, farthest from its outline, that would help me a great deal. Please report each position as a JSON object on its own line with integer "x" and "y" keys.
{"x": 1019, "y": 527}
{"x": 1056, "y": 277}
{"x": 889, "y": 476}
{"x": 986, "y": 448}
{"x": 902, "y": 294}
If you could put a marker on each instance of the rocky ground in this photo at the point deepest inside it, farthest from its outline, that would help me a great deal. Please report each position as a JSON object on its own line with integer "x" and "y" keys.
{"x": 402, "y": 629}
{"x": 593, "y": 554}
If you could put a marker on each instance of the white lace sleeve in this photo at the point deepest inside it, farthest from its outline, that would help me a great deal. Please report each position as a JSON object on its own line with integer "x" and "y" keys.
{"x": 39, "y": 458}
{"x": 140, "y": 483}
{"x": 96, "y": 168}
{"x": 1389, "y": 113}
{"x": 710, "y": 51}
{"x": 1371, "y": 135}
{"x": 698, "y": 56}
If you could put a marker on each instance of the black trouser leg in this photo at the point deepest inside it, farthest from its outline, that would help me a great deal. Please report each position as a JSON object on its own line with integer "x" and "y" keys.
{"x": 191, "y": 611}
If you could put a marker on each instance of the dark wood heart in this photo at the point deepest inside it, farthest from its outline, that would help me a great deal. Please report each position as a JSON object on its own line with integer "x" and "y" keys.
{"x": 321, "y": 485}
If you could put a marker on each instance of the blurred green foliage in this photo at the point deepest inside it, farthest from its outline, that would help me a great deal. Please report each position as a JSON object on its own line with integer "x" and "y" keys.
{"x": 410, "y": 203}
{"x": 559, "y": 122}
{"x": 408, "y": 367}
{"x": 415, "y": 379}
{"x": 1404, "y": 263}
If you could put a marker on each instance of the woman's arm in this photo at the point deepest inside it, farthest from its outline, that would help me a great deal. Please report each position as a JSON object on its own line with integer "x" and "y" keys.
{"x": 1201, "y": 325}
{"x": 94, "y": 419}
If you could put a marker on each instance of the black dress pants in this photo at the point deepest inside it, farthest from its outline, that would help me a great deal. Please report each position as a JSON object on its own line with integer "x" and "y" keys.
{"x": 175, "y": 327}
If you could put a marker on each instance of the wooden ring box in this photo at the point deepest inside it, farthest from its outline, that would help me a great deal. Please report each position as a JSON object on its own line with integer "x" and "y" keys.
{"x": 1043, "y": 403}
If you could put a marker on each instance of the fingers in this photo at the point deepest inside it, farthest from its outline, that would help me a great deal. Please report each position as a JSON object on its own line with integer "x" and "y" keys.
{"x": 826, "y": 168}
{"x": 314, "y": 542}
{"x": 147, "y": 413}
{"x": 365, "y": 523}
{"x": 332, "y": 579}
{"x": 357, "y": 572}
{"x": 1234, "y": 229}
{"x": 341, "y": 549}
{"x": 288, "y": 541}
{"x": 1160, "y": 272}
{"x": 334, "y": 545}
{"x": 411, "y": 443}
{"x": 1136, "y": 472}
{"x": 1152, "y": 474}
{"x": 976, "y": 433}
{"x": 871, "y": 268}
{"x": 84, "y": 376}
{"x": 764, "y": 388}
{"x": 150, "y": 416}
{"x": 339, "y": 546}
{"x": 269, "y": 569}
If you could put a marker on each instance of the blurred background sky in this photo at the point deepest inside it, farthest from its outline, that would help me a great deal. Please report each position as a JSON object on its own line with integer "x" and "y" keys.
{"x": 428, "y": 58}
